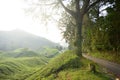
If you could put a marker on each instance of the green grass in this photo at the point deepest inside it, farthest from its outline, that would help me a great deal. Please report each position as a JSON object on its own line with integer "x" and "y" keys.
{"x": 22, "y": 52}
{"x": 61, "y": 62}
{"x": 14, "y": 69}
{"x": 32, "y": 61}
{"x": 49, "y": 52}
{"x": 78, "y": 74}
{"x": 68, "y": 66}
{"x": 111, "y": 56}
{"x": 65, "y": 66}
{"x": 19, "y": 68}
{"x": 9, "y": 68}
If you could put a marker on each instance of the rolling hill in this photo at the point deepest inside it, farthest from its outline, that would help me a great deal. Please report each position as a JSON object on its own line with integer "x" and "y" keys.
{"x": 64, "y": 66}
{"x": 11, "y": 40}
{"x": 20, "y": 63}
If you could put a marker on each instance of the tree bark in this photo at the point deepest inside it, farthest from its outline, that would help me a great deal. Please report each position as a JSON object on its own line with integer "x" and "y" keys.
{"x": 78, "y": 41}
{"x": 78, "y": 15}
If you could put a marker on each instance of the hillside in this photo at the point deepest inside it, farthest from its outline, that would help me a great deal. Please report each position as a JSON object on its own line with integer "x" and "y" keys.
{"x": 11, "y": 40}
{"x": 68, "y": 66}
{"x": 20, "y": 63}
{"x": 64, "y": 66}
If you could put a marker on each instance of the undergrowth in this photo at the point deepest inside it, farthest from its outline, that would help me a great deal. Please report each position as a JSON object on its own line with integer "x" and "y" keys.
{"x": 68, "y": 66}
{"x": 111, "y": 56}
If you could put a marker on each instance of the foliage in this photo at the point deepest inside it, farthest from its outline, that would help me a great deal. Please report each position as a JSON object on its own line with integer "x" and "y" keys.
{"x": 62, "y": 62}
{"x": 114, "y": 25}
{"x": 80, "y": 75}
{"x": 67, "y": 66}
{"x": 25, "y": 52}
{"x": 12, "y": 67}
{"x": 107, "y": 55}
{"x": 103, "y": 33}
{"x": 66, "y": 25}
{"x": 75, "y": 20}
{"x": 49, "y": 52}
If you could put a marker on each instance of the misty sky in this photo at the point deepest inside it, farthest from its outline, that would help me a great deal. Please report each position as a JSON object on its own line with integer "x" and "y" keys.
{"x": 12, "y": 16}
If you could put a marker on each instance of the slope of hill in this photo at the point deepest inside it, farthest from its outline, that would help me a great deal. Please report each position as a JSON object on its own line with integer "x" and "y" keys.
{"x": 22, "y": 52}
{"x": 65, "y": 66}
{"x": 10, "y": 40}
{"x": 68, "y": 66}
{"x": 20, "y": 63}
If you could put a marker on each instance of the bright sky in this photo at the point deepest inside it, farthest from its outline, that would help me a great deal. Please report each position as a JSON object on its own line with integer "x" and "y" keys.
{"x": 12, "y": 16}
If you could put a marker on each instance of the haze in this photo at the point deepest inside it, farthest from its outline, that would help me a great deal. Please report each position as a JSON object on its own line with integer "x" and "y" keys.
{"x": 13, "y": 17}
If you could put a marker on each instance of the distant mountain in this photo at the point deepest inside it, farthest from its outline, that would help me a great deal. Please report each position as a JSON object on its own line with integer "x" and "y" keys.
{"x": 11, "y": 40}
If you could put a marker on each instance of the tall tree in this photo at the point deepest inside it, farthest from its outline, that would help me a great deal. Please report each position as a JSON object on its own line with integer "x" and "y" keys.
{"x": 113, "y": 19}
{"x": 104, "y": 32}
{"x": 81, "y": 8}
{"x": 67, "y": 27}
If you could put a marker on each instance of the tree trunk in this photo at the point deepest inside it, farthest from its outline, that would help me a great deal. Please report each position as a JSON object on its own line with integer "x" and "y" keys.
{"x": 78, "y": 41}
{"x": 78, "y": 15}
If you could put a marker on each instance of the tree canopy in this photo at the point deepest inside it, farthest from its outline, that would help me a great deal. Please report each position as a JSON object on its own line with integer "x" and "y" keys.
{"x": 87, "y": 24}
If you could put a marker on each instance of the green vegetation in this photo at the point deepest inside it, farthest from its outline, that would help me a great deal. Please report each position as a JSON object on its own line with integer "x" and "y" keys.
{"x": 67, "y": 66}
{"x": 49, "y": 52}
{"x": 85, "y": 27}
{"x": 25, "y": 64}
{"x": 102, "y": 35}
{"x": 75, "y": 74}
{"x": 111, "y": 56}
{"x": 20, "y": 63}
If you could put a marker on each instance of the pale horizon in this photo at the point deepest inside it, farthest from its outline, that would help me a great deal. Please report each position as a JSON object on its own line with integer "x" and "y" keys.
{"x": 13, "y": 17}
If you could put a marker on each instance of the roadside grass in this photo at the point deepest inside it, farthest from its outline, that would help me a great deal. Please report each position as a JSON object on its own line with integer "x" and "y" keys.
{"x": 83, "y": 73}
{"x": 68, "y": 66}
{"x": 65, "y": 66}
{"x": 78, "y": 74}
{"x": 111, "y": 56}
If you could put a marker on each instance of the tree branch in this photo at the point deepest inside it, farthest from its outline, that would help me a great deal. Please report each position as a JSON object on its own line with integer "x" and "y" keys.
{"x": 66, "y": 9}
{"x": 92, "y": 5}
{"x": 44, "y": 4}
{"x": 77, "y": 5}
{"x": 85, "y": 6}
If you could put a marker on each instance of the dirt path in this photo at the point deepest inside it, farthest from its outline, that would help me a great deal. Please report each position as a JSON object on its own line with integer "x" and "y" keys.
{"x": 112, "y": 67}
